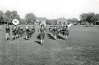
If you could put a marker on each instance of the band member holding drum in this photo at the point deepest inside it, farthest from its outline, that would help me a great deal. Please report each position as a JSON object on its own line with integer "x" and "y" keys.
{"x": 42, "y": 33}
{"x": 7, "y": 32}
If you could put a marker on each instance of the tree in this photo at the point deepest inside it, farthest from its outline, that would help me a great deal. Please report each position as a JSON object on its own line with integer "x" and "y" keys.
{"x": 83, "y": 18}
{"x": 30, "y": 18}
{"x": 75, "y": 21}
{"x": 1, "y": 17}
{"x": 69, "y": 20}
{"x": 5, "y": 18}
{"x": 22, "y": 21}
{"x": 89, "y": 17}
{"x": 14, "y": 15}
{"x": 11, "y": 15}
{"x": 1, "y": 13}
{"x": 8, "y": 16}
{"x": 95, "y": 18}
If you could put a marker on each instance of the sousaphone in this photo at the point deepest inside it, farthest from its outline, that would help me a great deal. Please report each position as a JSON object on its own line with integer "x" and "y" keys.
{"x": 15, "y": 21}
{"x": 43, "y": 23}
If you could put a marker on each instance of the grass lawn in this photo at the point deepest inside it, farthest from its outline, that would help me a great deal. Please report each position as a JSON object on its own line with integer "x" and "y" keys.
{"x": 81, "y": 48}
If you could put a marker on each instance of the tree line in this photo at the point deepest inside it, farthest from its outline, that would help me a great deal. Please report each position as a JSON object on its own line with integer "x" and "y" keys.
{"x": 8, "y": 16}
{"x": 89, "y": 18}
{"x": 30, "y": 18}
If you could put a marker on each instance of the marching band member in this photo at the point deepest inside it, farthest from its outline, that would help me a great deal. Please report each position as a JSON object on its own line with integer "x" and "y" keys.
{"x": 14, "y": 32}
{"x": 27, "y": 32}
{"x": 17, "y": 32}
{"x": 7, "y": 32}
{"x": 32, "y": 31}
{"x": 15, "y": 29}
{"x": 65, "y": 32}
{"x": 42, "y": 33}
{"x": 55, "y": 31}
{"x": 59, "y": 30}
{"x": 50, "y": 29}
{"x": 22, "y": 30}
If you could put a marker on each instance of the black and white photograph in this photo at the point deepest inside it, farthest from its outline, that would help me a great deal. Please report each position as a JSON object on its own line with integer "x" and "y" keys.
{"x": 49, "y": 32}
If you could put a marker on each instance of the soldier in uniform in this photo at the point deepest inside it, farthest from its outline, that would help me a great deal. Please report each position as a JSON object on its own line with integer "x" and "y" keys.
{"x": 7, "y": 32}
{"x": 42, "y": 33}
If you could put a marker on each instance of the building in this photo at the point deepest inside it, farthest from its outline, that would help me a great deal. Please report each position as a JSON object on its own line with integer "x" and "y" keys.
{"x": 40, "y": 19}
{"x": 61, "y": 21}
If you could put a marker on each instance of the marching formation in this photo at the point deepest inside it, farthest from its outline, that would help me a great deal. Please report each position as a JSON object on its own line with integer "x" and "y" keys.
{"x": 18, "y": 31}
{"x": 61, "y": 31}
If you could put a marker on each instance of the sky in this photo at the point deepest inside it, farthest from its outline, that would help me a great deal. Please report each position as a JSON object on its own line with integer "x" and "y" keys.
{"x": 51, "y": 9}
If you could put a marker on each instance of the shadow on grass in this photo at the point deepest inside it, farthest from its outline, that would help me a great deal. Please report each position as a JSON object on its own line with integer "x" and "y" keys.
{"x": 38, "y": 37}
{"x": 26, "y": 39}
{"x": 38, "y": 42}
{"x": 60, "y": 38}
{"x": 50, "y": 37}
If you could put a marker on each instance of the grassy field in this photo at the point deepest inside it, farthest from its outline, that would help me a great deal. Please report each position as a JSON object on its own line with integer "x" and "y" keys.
{"x": 81, "y": 48}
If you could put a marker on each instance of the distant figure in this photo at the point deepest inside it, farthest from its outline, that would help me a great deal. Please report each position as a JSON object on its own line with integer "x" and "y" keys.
{"x": 42, "y": 33}
{"x": 7, "y": 32}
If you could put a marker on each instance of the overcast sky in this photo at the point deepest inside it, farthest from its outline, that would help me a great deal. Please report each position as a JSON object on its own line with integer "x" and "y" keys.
{"x": 51, "y": 9}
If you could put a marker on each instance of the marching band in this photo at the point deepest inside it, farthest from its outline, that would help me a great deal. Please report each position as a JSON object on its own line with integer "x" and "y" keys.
{"x": 54, "y": 31}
